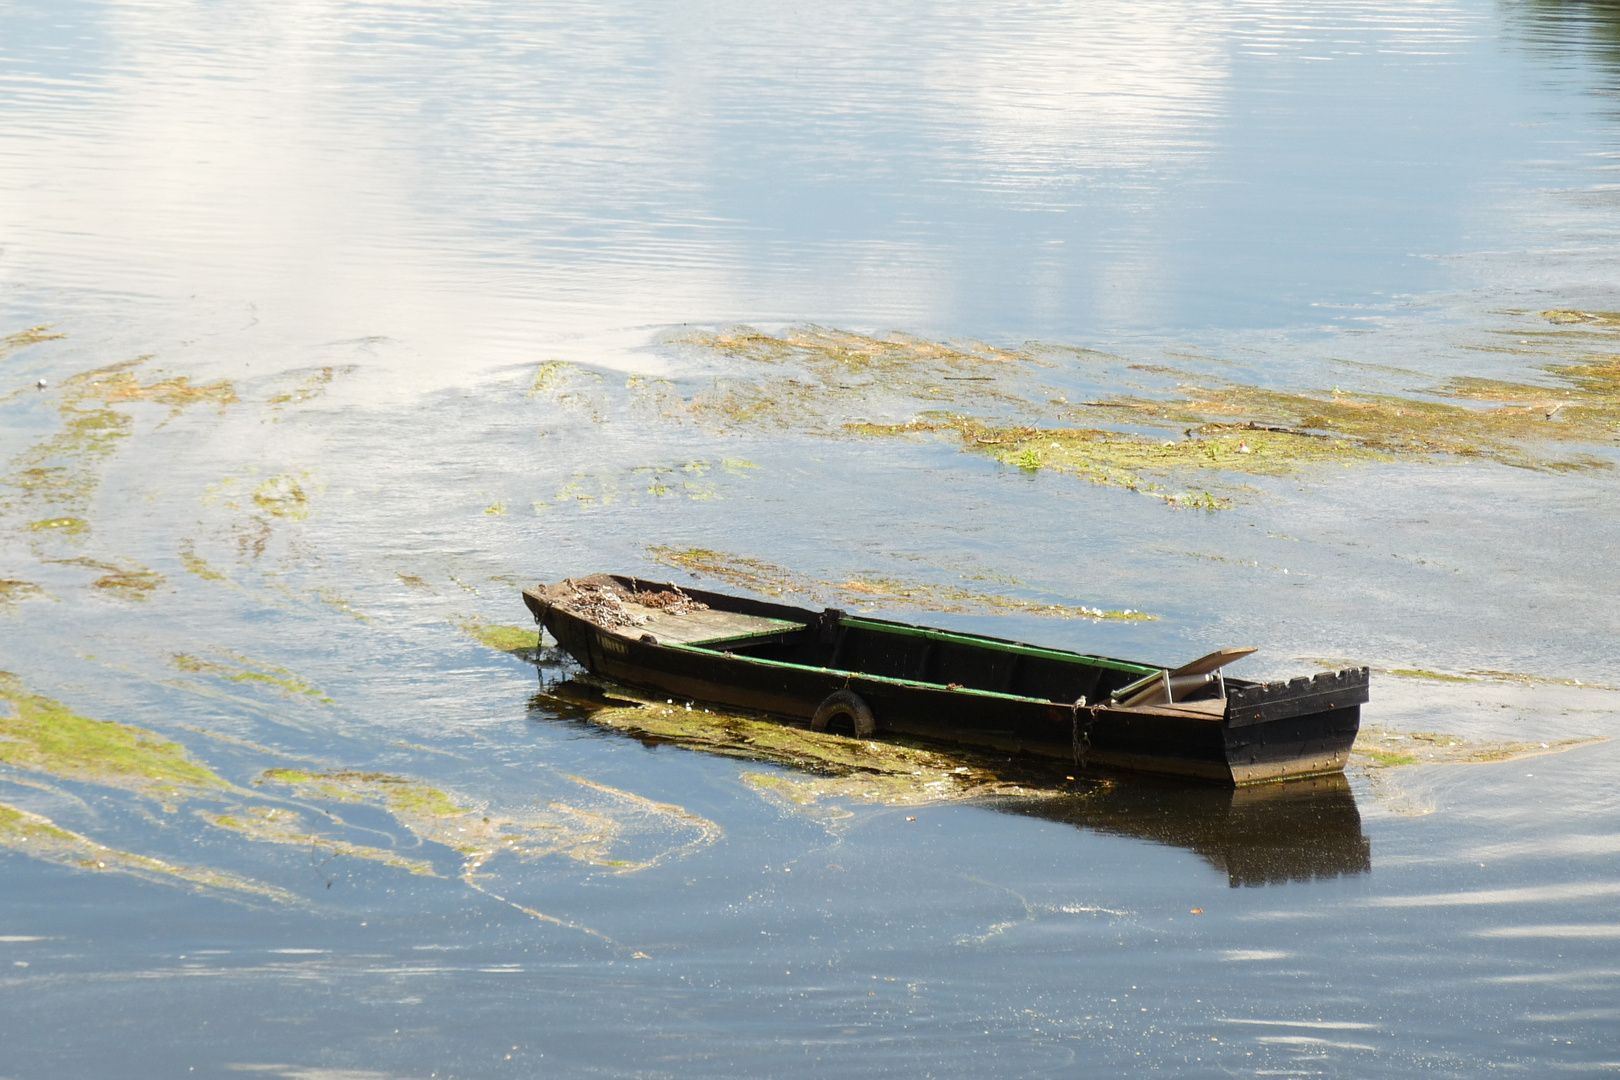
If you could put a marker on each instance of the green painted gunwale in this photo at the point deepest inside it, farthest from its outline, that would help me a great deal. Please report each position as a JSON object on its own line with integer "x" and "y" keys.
{"x": 880, "y": 626}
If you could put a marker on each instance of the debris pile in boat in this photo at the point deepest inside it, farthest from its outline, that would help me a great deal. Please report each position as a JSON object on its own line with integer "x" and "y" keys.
{"x": 671, "y": 601}
{"x": 605, "y": 602}
{"x": 601, "y": 602}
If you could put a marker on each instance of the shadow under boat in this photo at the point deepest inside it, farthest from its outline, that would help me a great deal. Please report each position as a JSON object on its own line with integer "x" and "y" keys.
{"x": 1264, "y": 834}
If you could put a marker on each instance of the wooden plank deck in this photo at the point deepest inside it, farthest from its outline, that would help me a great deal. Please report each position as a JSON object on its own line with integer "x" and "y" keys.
{"x": 697, "y": 627}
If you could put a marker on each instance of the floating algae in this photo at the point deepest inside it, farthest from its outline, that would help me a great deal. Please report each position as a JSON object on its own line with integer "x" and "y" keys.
{"x": 810, "y": 374}
{"x": 86, "y": 438}
{"x": 1424, "y": 673}
{"x": 1568, "y": 316}
{"x": 810, "y": 380}
{"x": 762, "y": 577}
{"x": 42, "y": 735}
{"x": 1472, "y": 675}
{"x": 309, "y": 388}
{"x": 60, "y": 471}
{"x": 572, "y": 387}
{"x": 1138, "y": 462}
{"x": 587, "y": 833}
{"x": 41, "y": 838}
{"x": 279, "y": 499}
{"x": 243, "y": 671}
{"x": 508, "y": 639}
{"x": 1364, "y": 424}
{"x": 397, "y": 793}
{"x": 66, "y": 526}
{"x": 686, "y": 479}
{"x": 1380, "y": 748}
{"x": 283, "y": 496}
{"x": 124, "y": 582}
{"x": 24, "y": 338}
{"x": 895, "y": 772}
{"x": 13, "y": 590}
{"x": 280, "y": 825}
{"x": 196, "y": 564}
{"x": 118, "y": 383}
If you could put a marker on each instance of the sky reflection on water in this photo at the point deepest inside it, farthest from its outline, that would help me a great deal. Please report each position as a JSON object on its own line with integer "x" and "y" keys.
{"x": 479, "y": 182}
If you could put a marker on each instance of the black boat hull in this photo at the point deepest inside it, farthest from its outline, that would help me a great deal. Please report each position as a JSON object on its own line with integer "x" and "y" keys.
{"x": 1266, "y": 732}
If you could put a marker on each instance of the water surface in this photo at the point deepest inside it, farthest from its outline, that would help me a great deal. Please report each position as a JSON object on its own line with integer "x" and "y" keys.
{"x": 377, "y": 222}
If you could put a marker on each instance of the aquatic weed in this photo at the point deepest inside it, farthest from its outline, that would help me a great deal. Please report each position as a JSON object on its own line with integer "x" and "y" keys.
{"x": 21, "y": 339}
{"x": 508, "y": 639}
{"x": 43, "y": 735}
{"x": 309, "y": 388}
{"x": 134, "y": 582}
{"x": 280, "y": 825}
{"x": 894, "y": 771}
{"x": 39, "y": 837}
{"x": 1382, "y": 748}
{"x": 13, "y": 589}
{"x": 61, "y": 470}
{"x": 243, "y": 671}
{"x": 805, "y": 377}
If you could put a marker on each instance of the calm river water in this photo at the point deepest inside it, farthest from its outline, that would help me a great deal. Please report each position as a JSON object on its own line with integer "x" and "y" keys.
{"x": 430, "y": 258}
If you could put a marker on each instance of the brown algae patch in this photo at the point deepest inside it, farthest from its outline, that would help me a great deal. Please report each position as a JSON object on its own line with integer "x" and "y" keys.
{"x": 195, "y": 564}
{"x": 280, "y": 825}
{"x": 1381, "y": 748}
{"x": 809, "y": 375}
{"x": 283, "y": 496}
{"x": 1569, "y": 316}
{"x": 125, "y": 582}
{"x": 21, "y": 339}
{"x": 590, "y": 831}
{"x": 867, "y": 592}
{"x": 13, "y": 590}
{"x": 309, "y": 387}
{"x": 42, "y": 735}
{"x": 1424, "y": 673}
{"x": 38, "y": 836}
{"x": 118, "y": 383}
{"x": 243, "y": 671}
{"x": 508, "y": 639}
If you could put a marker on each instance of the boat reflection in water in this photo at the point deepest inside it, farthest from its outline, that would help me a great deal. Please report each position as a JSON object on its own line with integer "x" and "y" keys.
{"x": 1265, "y": 834}
{"x": 1261, "y": 834}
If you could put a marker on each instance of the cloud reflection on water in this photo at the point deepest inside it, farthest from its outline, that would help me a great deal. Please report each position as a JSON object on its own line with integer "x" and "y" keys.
{"x": 479, "y": 183}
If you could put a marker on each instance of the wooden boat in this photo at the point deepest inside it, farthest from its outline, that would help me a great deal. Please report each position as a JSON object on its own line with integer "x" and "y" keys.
{"x": 869, "y": 677}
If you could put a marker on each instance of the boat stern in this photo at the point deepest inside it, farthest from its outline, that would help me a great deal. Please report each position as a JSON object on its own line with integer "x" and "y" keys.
{"x": 1301, "y": 727}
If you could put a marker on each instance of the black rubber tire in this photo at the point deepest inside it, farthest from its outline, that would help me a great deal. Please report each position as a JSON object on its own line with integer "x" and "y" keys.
{"x": 845, "y": 703}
